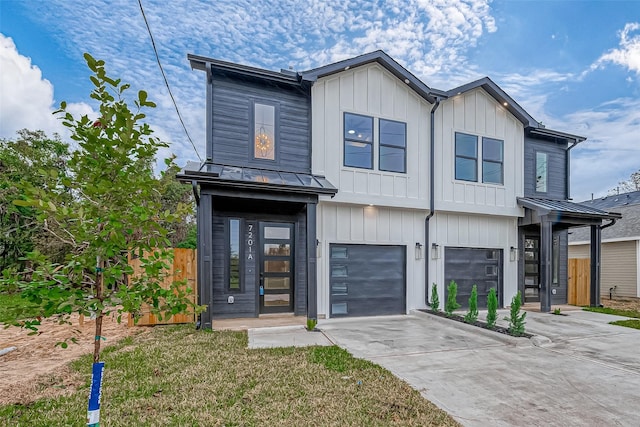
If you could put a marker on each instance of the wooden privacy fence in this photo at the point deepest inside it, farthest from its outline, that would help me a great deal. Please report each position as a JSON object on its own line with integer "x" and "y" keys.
{"x": 184, "y": 267}
{"x": 579, "y": 281}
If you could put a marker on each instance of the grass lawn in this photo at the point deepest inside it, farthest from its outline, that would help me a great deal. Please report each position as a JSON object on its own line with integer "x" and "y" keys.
{"x": 9, "y": 303}
{"x": 617, "y": 312}
{"x": 631, "y": 323}
{"x": 176, "y": 376}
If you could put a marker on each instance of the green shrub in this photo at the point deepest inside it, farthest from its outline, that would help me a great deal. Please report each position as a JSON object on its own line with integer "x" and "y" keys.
{"x": 472, "y": 314}
{"x": 311, "y": 324}
{"x": 492, "y": 308}
{"x": 556, "y": 311}
{"x": 516, "y": 319}
{"x": 435, "y": 301}
{"x": 451, "y": 305}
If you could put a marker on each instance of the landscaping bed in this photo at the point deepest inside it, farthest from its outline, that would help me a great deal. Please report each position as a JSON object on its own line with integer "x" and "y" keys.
{"x": 477, "y": 323}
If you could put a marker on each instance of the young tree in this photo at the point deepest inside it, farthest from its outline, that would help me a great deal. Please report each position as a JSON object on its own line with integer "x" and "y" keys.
{"x": 104, "y": 209}
{"x": 451, "y": 304}
{"x": 435, "y": 301}
{"x": 492, "y": 308}
{"x": 472, "y": 314}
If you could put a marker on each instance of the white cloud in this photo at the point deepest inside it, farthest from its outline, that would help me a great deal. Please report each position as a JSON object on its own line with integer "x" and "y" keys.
{"x": 628, "y": 54}
{"x": 26, "y": 99}
{"x": 612, "y": 151}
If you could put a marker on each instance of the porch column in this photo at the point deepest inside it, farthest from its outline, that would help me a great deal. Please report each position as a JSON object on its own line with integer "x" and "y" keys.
{"x": 596, "y": 240}
{"x": 205, "y": 258}
{"x": 546, "y": 238}
{"x": 312, "y": 289}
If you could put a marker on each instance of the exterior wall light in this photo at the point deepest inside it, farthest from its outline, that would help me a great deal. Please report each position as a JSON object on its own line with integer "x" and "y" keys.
{"x": 418, "y": 250}
{"x": 513, "y": 254}
{"x": 435, "y": 251}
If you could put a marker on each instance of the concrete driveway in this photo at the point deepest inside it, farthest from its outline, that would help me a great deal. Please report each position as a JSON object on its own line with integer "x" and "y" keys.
{"x": 581, "y": 372}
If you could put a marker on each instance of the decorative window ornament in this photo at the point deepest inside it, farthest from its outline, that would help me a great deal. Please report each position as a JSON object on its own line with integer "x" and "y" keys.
{"x": 263, "y": 145}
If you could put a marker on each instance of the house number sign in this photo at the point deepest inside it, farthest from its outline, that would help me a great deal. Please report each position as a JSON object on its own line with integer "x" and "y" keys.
{"x": 250, "y": 242}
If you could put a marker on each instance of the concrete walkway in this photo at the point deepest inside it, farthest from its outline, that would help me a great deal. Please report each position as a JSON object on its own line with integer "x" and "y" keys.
{"x": 584, "y": 372}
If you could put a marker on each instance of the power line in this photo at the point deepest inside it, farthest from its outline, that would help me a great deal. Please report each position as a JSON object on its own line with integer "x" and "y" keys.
{"x": 166, "y": 82}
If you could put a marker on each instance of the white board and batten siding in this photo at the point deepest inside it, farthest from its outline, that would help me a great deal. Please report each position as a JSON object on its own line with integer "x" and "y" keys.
{"x": 477, "y": 113}
{"x": 474, "y": 231}
{"x": 619, "y": 266}
{"x": 341, "y": 223}
{"x": 372, "y": 91}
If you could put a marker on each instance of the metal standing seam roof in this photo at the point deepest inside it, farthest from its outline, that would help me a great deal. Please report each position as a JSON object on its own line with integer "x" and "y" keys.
{"x": 565, "y": 207}
{"x": 253, "y": 178}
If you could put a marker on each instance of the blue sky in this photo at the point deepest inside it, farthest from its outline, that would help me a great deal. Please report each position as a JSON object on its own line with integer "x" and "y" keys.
{"x": 573, "y": 65}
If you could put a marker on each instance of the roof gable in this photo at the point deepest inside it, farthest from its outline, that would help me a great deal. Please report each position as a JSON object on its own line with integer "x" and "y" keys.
{"x": 385, "y": 61}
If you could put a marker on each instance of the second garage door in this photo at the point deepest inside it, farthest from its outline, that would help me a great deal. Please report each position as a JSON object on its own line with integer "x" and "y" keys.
{"x": 367, "y": 280}
{"x": 473, "y": 266}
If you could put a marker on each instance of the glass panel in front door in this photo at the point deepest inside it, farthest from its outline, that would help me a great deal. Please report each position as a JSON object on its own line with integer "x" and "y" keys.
{"x": 276, "y": 267}
{"x": 531, "y": 269}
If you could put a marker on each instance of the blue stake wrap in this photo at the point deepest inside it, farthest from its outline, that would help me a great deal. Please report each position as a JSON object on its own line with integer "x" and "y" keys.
{"x": 93, "y": 413}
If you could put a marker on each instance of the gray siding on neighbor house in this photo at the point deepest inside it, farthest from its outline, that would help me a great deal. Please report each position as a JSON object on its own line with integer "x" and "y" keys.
{"x": 557, "y": 168}
{"x": 619, "y": 267}
{"x": 232, "y": 124}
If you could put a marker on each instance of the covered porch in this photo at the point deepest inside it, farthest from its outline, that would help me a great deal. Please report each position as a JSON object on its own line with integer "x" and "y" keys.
{"x": 547, "y": 217}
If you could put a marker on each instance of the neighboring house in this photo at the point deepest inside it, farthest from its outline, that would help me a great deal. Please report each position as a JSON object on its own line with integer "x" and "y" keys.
{"x": 348, "y": 189}
{"x": 620, "y": 258}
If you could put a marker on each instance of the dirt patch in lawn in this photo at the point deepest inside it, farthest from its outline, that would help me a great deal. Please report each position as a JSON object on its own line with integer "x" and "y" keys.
{"x": 630, "y": 304}
{"x": 38, "y": 368}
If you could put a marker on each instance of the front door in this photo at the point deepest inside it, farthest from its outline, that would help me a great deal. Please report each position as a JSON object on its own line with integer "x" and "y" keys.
{"x": 531, "y": 269}
{"x": 276, "y": 267}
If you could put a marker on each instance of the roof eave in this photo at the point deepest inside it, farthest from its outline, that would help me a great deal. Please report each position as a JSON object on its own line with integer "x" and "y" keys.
{"x": 499, "y": 95}
{"x": 383, "y": 59}
{"x": 202, "y": 63}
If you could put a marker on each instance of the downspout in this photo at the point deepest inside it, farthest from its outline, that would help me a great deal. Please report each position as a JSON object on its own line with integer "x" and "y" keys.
{"x": 613, "y": 221}
{"x": 427, "y": 246}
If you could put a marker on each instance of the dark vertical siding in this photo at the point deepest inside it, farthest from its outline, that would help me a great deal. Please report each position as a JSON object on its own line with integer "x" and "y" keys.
{"x": 245, "y": 300}
{"x": 557, "y": 168}
{"x": 232, "y": 102}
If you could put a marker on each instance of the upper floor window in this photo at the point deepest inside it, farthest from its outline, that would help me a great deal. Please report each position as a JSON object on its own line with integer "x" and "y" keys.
{"x": 492, "y": 161}
{"x": 541, "y": 172}
{"x": 466, "y": 157}
{"x": 264, "y": 131}
{"x": 358, "y": 141}
{"x": 393, "y": 146}
{"x": 467, "y": 153}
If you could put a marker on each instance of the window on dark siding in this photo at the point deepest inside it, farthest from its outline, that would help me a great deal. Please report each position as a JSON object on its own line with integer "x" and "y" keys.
{"x": 393, "y": 146}
{"x": 358, "y": 141}
{"x": 541, "y": 172}
{"x": 466, "y": 157}
{"x": 234, "y": 255}
{"x": 264, "y": 146}
{"x": 492, "y": 161}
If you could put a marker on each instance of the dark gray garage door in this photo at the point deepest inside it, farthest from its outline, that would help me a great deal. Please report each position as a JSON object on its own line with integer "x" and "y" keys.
{"x": 472, "y": 266}
{"x": 367, "y": 280}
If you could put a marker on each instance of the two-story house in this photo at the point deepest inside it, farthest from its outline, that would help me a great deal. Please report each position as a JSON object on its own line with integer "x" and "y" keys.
{"x": 348, "y": 189}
